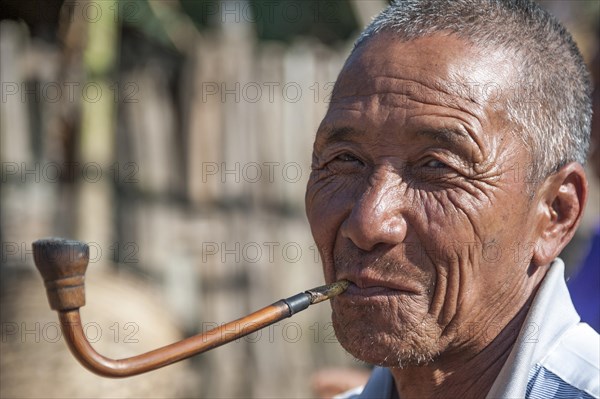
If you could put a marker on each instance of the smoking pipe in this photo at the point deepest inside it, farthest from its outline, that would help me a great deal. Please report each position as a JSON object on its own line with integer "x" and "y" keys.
{"x": 63, "y": 263}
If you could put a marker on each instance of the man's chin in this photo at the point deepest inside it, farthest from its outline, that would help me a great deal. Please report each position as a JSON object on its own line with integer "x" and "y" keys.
{"x": 372, "y": 344}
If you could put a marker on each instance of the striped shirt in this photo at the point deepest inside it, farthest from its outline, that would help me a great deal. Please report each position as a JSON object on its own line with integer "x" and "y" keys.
{"x": 554, "y": 356}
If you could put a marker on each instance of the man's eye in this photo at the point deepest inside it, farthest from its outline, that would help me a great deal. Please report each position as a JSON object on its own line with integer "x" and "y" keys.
{"x": 345, "y": 157}
{"x": 345, "y": 163}
{"x": 435, "y": 164}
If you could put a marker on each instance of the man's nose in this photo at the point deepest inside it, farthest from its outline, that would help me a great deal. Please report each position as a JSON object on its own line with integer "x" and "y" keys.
{"x": 377, "y": 217}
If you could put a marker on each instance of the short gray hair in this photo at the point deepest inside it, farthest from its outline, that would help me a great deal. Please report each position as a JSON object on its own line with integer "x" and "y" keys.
{"x": 555, "y": 121}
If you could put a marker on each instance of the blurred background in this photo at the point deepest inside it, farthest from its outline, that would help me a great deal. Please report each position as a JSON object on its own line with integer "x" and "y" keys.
{"x": 175, "y": 138}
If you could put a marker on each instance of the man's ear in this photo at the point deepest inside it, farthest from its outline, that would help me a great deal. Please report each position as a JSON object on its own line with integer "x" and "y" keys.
{"x": 561, "y": 200}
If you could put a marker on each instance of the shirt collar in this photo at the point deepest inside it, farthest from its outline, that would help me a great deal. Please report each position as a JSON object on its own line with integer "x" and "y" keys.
{"x": 551, "y": 314}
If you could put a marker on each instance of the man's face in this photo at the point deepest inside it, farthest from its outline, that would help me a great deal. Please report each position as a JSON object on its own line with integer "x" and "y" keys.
{"x": 417, "y": 198}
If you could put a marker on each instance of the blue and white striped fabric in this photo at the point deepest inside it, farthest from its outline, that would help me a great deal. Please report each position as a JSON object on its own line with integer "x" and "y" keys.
{"x": 544, "y": 384}
{"x": 570, "y": 369}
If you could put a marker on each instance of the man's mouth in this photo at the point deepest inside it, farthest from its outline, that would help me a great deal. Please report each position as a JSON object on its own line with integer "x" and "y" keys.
{"x": 369, "y": 287}
{"x": 355, "y": 290}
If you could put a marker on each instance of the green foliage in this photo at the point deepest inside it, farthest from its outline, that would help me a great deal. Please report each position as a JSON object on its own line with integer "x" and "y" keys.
{"x": 328, "y": 20}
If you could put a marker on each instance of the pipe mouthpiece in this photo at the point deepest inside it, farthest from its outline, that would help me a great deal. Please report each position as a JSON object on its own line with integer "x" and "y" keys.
{"x": 326, "y": 292}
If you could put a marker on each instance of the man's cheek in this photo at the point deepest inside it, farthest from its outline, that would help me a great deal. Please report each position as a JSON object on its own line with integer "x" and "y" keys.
{"x": 328, "y": 206}
{"x": 328, "y": 267}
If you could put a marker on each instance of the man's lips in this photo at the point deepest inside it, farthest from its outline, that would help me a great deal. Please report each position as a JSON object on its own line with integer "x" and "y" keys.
{"x": 365, "y": 286}
{"x": 355, "y": 290}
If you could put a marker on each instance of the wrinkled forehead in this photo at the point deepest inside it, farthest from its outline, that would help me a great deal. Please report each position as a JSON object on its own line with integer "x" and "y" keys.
{"x": 442, "y": 65}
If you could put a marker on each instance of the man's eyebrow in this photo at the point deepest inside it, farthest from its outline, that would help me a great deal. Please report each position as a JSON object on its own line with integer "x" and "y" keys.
{"x": 333, "y": 134}
{"x": 450, "y": 136}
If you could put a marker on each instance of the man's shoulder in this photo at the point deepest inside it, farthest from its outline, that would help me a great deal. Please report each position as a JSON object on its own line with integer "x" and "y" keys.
{"x": 353, "y": 393}
{"x": 571, "y": 367}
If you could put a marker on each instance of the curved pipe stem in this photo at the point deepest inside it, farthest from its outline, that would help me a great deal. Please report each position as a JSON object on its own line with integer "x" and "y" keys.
{"x": 80, "y": 347}
{"x": 77, "y": 342}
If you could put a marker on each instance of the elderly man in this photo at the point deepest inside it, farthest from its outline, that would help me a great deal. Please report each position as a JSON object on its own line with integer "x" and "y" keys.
{"x": 447, "y": 178}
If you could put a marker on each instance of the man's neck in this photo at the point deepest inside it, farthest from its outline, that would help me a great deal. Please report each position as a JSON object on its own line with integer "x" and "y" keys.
{"x": 465, "y": 374}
